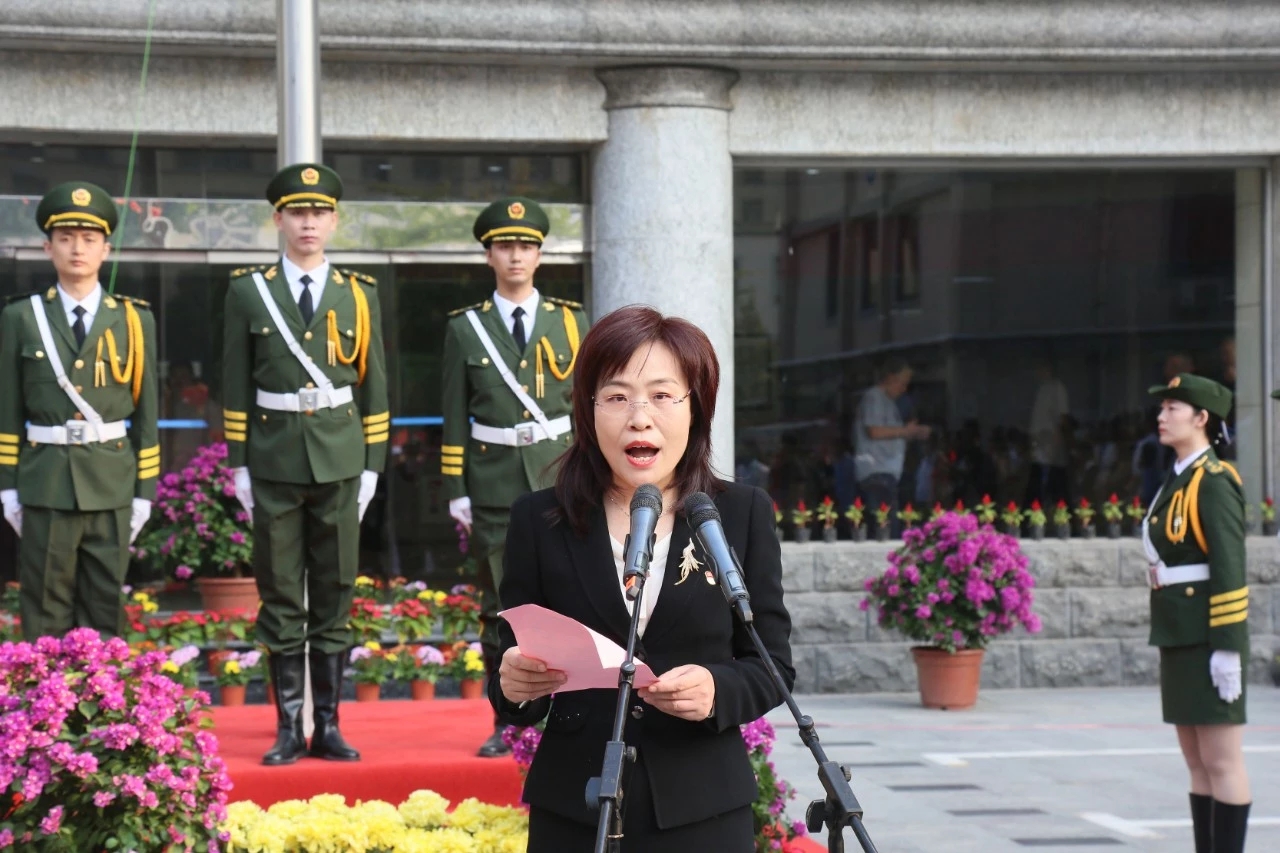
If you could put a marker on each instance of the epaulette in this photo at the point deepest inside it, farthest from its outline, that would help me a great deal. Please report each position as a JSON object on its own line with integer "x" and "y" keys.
{"x": 361, "y": 277}
{"x": 1217, "y": 467}
{"x": 457, "y": 312}
{"x": 249, "y": 270}
{"x": 567, "y": 303}
{"x": 140, "y": 303}
{"x": 18, "y": 297}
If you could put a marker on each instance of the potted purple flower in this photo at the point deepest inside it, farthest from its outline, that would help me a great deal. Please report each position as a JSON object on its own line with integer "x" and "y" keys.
{"x": 198, "y": 530}
{"x": 952, "y": 587}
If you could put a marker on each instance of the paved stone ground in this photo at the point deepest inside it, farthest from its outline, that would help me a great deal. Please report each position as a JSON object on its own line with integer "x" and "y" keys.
{"x": 1112, "y": 778}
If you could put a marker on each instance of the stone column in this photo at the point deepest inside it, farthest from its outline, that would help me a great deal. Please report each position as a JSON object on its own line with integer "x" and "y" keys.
{"x": 1253, "y": 400}
{"x": 662, "y": 201}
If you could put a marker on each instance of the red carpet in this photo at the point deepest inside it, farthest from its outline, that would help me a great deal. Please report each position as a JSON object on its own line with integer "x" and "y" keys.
{"x": 404, "y": 746}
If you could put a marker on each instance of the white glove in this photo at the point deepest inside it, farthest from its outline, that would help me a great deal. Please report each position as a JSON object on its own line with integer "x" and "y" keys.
{"x": 244, "y": 489}
{"x": 368, "y": 485}
{"x": 141, "y": 514}
{"x": 460, "y": 511}
{"x": 1224, "y": 669}
{"x": 12, "y": 509}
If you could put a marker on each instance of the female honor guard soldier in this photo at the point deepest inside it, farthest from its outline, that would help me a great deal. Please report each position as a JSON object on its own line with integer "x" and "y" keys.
{"x": 1194, "y": 539}
{"x": 79, "y": 442}
{"x": 305, "y": 389}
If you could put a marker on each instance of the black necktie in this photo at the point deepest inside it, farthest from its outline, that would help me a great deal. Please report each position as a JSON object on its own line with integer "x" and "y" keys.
{"x": 77, "y": 328}
{"x": 304, "y": 301}
{"x": 518, "y": 331}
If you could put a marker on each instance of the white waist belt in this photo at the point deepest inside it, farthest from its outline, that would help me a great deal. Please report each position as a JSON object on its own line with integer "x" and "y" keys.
{"x": 1162, "y": 575}
{"x": 76, "y": 432}
{"x": 521, "y": 435}
{"x": 306, "y": 400}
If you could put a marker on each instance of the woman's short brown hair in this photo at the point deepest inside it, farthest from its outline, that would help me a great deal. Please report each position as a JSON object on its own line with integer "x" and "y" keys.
{"x": 584, "y": 472}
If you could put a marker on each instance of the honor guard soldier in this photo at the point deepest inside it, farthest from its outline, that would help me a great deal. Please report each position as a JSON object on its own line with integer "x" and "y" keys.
{"x": 79, "y": 446}
{"x": 508, "y": 363}
{"x": 1194, "y": 538}
{"x": 306, "y": 422}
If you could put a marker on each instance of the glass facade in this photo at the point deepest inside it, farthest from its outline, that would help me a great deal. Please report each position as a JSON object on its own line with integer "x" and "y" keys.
{"x": 176, "y": 261}
{"x": 1033, "y": 308}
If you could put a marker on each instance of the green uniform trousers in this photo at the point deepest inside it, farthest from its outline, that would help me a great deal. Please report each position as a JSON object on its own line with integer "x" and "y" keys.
{"x": 71, "y": 567}
{"x": 306, "y": 538}
{"x": 488, "y": 542}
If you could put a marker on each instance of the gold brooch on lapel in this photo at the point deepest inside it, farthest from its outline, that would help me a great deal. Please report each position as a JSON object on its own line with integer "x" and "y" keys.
{"x": 688, "y": 563}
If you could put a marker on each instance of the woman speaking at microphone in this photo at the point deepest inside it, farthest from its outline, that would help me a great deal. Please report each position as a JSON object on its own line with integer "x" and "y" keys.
{"x": 644, "y": 395}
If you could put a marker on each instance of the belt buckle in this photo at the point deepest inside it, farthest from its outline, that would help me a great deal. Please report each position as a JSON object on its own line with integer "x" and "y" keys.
{"x": 524, "y": 436}
{"x": 76, "y": 432}
{"x": 309, "y": 399}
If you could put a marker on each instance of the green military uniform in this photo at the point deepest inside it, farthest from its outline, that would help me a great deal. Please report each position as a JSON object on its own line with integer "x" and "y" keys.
{"x": 1195, "y": 536}
{"x": 84, "y": 489}
{"x": 309, "y": 430}
{"x": 494, "y": 449}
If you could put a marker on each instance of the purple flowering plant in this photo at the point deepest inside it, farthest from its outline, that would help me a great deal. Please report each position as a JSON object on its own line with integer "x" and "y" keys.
{"x": 197, "y": 526}
{"x": 954, "y": 584}
{"x": 99, "y": 750}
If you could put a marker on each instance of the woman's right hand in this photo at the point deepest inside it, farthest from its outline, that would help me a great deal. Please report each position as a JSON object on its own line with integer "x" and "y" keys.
{"x": 523, "y": 679}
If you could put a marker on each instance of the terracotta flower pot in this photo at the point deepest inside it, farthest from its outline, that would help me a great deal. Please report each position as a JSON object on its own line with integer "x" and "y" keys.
{"x": 367, "y": 692}
{"x": 472, "y": 688}
{"x": 423, "y": 691}
{"x": 948, "y": 680}
{"x": 228, "y": 593}
{"x": 232, "y": 694}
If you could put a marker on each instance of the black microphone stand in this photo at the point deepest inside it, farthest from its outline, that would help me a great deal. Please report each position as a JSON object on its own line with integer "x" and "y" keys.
{"x": 605, "y": 792}
{"x": 841, "y": 807}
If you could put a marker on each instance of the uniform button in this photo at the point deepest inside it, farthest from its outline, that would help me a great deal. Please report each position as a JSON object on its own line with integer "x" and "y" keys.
{"x": 79, "y": 363}
{"x": 484, "y": 361}
{"x": 119, "y": 445}
{"x": 484, "y": 448}
{"x": 311, "y": 384}
{"x": 1154, "y": 521}
{"x": 637, "y": 712}
{"x": 79, "y": 389}
{"x": 1191, "y": 590}
{"x": 39, "y": 353}
{"x": 524, "y": 363}
{"x": 79, "y": 416}
{"x": 526, "y": 413}
{"x": 266, "y": 330}
{"x": 307, "y": 336}
{"x": 524, "y": 388}
{"x": 264, "y": 419}
{"x": 349, "y": 413}
{"x": 350, "y": 334}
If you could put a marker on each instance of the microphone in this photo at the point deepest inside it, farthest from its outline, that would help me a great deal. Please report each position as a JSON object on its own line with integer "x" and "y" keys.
{"x": 704, "y": 518}
{"x": 646, "y": 509}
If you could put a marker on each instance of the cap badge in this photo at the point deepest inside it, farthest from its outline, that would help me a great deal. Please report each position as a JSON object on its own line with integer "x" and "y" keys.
{"x": 80, "y": 197}
{"x": 310, "y": 176}
{"x": 1175, "y": 382}
{"x": 515, "y": 210}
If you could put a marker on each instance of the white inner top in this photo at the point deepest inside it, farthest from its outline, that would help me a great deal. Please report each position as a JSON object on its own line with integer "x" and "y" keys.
{"x": 652, "y": 584}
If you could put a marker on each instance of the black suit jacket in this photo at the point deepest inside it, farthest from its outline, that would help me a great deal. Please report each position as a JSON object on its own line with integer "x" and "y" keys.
{"x": 695, "y": 769}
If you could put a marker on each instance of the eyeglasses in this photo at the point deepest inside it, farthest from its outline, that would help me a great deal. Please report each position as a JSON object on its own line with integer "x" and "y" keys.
{"x": 618, "y": 404}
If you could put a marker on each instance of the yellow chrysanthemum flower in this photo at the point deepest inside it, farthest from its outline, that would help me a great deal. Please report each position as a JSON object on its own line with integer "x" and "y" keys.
{"x": 231, "y": 667}
{"x": 441, "y": 598}
{"x": 169, "y": 667}
{"x": 373, "y": 646}
{"x": 425, "y": 809}
{"x": 150, "y": 607}
{"x": 365, "y": 580}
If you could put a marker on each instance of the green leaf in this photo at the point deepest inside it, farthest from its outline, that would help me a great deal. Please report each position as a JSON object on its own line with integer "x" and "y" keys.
{"x": 112, "y": 844}
{"x": 88, "y": 709}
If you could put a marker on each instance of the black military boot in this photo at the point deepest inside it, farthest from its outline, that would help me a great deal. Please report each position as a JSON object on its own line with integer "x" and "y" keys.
{"x": 288, "y": 679}
{"x": 326, "y": 690}
{"x": 493, "y": 747}
{"x": 1202, "y": 822}
{"x": 1229, "y": 825}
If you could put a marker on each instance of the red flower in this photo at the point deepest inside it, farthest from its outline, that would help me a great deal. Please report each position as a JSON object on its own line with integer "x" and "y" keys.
{"x": 826, "y": 501}
{"x": 1062, "y": 504}
{"x": 959, "y": 506}
{"x": 1113, "y": 499}
{"x": 857, "y": 502}
{"x": 1137, "y": 501}
{"x": 986, "y": 500}
{"x": 1084, "y": 503}
{"x": 1035, "y": 505}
